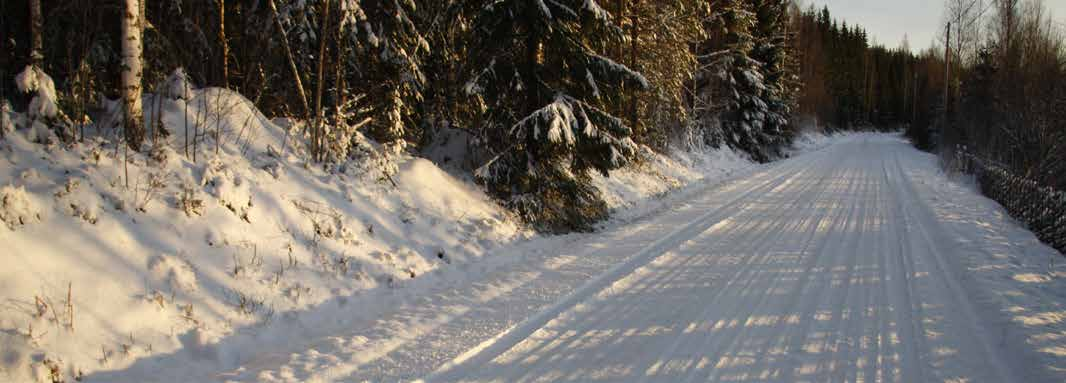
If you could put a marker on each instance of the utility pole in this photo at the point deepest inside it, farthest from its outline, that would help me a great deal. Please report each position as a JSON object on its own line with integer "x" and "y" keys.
{"x": 947, "y": 69}
{"x": 914, "y": 99}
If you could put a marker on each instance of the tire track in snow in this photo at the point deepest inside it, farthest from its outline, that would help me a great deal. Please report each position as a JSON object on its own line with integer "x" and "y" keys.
{"x": 731, "y": 341}
{"x": 826, "y": 270}
{"x": 647, "y": 283}
{"x": 492, "y": 348}
{"x": 958, "y": 299}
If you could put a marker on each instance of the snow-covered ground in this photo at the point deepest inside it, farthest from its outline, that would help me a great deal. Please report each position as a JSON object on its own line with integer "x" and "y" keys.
{"x": 169, "y": 255}
{"x": 167, "y": 267}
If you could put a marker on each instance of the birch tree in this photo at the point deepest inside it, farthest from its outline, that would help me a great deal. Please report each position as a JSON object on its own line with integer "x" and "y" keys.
{"x": 132, "y": 71}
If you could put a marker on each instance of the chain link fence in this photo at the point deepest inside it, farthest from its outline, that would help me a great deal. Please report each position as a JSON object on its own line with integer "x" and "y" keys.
{"x": 1042, "y": 209}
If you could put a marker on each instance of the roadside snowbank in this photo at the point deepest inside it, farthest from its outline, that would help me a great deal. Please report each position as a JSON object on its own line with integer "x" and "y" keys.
{"x": 170, "y": 255}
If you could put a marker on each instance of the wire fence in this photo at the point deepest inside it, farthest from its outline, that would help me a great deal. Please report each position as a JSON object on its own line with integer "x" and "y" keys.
{"x": 1042, "y": 209}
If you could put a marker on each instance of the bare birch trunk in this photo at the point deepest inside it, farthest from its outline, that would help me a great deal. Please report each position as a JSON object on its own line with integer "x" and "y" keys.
{"x": 132, "y": 72}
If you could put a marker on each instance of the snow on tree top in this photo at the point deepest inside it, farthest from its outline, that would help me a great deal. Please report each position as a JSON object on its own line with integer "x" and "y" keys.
{"x": 614, "y": 66}
{"x": 559, "y": 118}
{"x": 351, "y": 13}
{"x": 544, "y": 8}
{"x": 177, "y": 86}
{"x": 592, "y": 83}
{"x": 568, "y": 10}
{"x": 33, "y": 79}
{"x": 596, "y": 10}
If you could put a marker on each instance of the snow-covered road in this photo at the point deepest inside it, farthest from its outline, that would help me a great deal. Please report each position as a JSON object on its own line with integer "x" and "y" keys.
{"x": 827, "y": 269}
{"x": 857, "y": 262}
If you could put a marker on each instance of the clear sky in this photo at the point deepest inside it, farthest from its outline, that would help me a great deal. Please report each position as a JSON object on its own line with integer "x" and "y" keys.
{"x": 888, "y": 20}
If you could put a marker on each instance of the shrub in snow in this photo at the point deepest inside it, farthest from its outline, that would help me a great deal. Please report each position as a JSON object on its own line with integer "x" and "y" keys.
{"x": 7, "y": 118}
{"x": 367, "y": 159}
{"x": 54, "y": 370}
{"x": 229, "y": 187}
{"x": 161, "y": 155}
{"x": 41, "y": 134}
{"x": 78, "y": 202}
{"x": 326, "y": 222}
{"x": 188, "y": 198}
{"x": 16, "y": 207}
{"x": 34, "y": 80}
{"x": 177, "y": 86}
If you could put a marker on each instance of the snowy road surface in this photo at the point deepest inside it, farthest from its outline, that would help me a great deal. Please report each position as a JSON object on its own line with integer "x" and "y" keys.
{"x": 827, "y": 269}
{"x": 859, "y": 262}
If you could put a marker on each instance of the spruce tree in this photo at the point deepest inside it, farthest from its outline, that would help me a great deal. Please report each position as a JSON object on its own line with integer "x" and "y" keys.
{"x": 772, "y": 51}
{"x": 374, "y": 51}
{"x": 541, "y": 89}
{"x": 741, "y": 82}
{"x": 390, "y": 50}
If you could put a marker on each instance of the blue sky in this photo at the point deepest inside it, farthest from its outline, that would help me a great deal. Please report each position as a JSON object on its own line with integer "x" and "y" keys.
{"x": 888, "y": 20}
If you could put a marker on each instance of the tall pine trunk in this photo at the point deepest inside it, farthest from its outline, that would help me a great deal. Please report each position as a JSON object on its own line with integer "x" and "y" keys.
{"x": 132, "y": 71}
{"x": 633, "y": 50}
{"x": 532, "y": 88}
{"x": 36, "y": 27}
{"x": 316, "y": 134}
{"x": 224, "y": 42}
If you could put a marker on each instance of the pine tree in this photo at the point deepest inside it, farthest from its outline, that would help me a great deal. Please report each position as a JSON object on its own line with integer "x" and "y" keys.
{"x": 541, "y": 90}
{"x": 447, "y": 27}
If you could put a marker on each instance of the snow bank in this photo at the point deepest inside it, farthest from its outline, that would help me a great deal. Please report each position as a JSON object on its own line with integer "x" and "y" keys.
{"x": 813, "y": 140}
{"x": 657, "y": 174}
{"x": 171, "y": 256}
